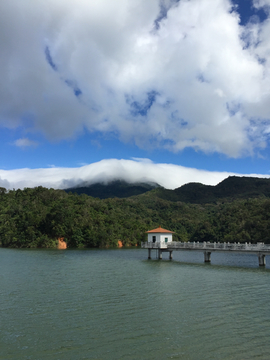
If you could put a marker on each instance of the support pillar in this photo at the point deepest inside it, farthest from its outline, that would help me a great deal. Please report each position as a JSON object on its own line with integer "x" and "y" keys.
{"x": 261, "y": 258}
{"x": 160, "y": 254}
{"x": 207, "y": 256}
{"x": 149, "y": 254}
{"x": 170, "y": 256}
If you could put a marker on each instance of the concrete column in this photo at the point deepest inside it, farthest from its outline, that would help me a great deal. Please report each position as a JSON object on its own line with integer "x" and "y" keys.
{"x": 149, "y": 253}
{"x": 170, "y": 257}
{"x": 207, "y": 256}
{"x": 160, "y": 254}
{"x": 261, "y": 258}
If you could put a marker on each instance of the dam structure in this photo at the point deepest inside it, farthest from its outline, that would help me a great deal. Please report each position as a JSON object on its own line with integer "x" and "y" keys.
{"x": 161, "y": 240}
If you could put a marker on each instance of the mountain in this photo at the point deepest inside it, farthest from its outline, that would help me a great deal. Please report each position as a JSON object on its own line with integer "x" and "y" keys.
{"x": 237, "y": 209}
{"x": 232, "y": 188}
{"x": 117, "y": 188}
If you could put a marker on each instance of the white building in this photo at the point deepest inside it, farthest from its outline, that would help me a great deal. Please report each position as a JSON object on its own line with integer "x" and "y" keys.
{"x": 160, "y": 236}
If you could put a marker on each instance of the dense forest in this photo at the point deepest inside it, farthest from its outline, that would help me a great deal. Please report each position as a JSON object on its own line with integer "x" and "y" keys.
{"x": 38, "y": 217}
{"x": 115, "y": 188}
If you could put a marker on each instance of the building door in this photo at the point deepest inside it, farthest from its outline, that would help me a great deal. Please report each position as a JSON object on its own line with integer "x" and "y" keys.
{"x": 154, "y": 238}
{"x": 166, "y": 240}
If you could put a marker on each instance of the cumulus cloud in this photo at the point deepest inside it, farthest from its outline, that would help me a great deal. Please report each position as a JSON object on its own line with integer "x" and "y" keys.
{"x": 156, "y": 73}
{"x": 141, "y": 170}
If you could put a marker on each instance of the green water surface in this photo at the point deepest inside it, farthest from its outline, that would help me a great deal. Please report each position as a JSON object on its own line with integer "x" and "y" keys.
{"x": 116, "y": 304}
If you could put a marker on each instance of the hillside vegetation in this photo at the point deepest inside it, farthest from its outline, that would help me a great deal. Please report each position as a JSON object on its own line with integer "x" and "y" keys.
{"x": 230, "y": 189}
{"x": 117, "y": 188}
{"x": 238, "y": 209}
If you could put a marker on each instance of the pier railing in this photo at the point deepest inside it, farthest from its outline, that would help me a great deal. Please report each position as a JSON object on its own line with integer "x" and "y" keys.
{"x": 215, "y": 246}
{"x": 154, "y": 245}
{"x": 220, "y": 246}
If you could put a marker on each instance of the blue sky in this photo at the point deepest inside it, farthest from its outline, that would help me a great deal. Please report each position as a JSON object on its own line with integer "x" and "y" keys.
{"x": 183, "y": 82}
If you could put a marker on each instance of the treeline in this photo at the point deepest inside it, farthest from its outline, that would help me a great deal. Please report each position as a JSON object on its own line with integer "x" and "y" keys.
{"x": 37, "y": 217}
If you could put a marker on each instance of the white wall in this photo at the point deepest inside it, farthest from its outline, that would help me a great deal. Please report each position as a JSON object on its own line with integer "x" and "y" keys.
{"x": 159, "y": 237}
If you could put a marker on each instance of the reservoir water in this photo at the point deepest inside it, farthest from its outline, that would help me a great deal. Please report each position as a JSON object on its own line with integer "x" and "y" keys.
{"x": 116, "y": 304}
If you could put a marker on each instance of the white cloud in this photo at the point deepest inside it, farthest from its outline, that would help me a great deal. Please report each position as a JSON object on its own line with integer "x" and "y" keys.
{"x": 262, "y": 4}
{"x": 144, "y": 160}
{"x": 104, "y": 65}
{"x": 24, "y": 142}
{"x": 167, "y": 175}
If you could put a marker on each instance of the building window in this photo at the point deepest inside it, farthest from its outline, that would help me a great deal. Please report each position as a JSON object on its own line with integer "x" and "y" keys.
{"x": 154, "y": 239}
{"x": 166, "y": 239}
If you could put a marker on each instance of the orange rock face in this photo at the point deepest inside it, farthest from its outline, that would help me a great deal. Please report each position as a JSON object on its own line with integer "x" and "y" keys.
{"x": 120, "y": 244}
{"x": 61, "y": 243}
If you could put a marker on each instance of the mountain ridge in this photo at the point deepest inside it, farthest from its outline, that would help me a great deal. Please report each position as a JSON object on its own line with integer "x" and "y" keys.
{"x": 113, "y": 189}
{"x": 233, "y": 187}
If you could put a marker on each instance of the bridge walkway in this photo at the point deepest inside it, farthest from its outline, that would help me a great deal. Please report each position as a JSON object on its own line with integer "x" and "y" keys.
{"x": 260, "y": 249}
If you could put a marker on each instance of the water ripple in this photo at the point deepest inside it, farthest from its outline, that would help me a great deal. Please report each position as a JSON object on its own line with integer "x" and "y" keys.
{"x": 114, "y": 304}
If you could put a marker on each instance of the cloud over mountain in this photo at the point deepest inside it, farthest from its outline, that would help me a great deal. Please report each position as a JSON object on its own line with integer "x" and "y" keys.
{"x": 138, "y": 170}
{"x": 156, "y": 73}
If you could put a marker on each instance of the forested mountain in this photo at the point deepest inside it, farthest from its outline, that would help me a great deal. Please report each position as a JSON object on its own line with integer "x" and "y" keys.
{"x": 237, "y": 209}
{"x": 233, "y": 187}
{"x": 117, "y": 188}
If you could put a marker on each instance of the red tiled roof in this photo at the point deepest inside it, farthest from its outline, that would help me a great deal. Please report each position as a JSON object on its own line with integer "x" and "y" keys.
{"x": 160, "y": 230}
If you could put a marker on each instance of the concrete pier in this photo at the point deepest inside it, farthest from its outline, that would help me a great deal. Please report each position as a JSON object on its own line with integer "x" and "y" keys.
{"x": 260, "y": 249}
{"x": 207, "y": 256}
{"x": 261, "y": 258}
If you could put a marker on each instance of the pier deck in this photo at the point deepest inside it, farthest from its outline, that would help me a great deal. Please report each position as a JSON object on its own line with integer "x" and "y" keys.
{"x": 260, "y": 249}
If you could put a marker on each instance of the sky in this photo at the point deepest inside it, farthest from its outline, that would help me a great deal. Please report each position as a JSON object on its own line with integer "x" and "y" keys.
{"x": 166, "y": 91}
